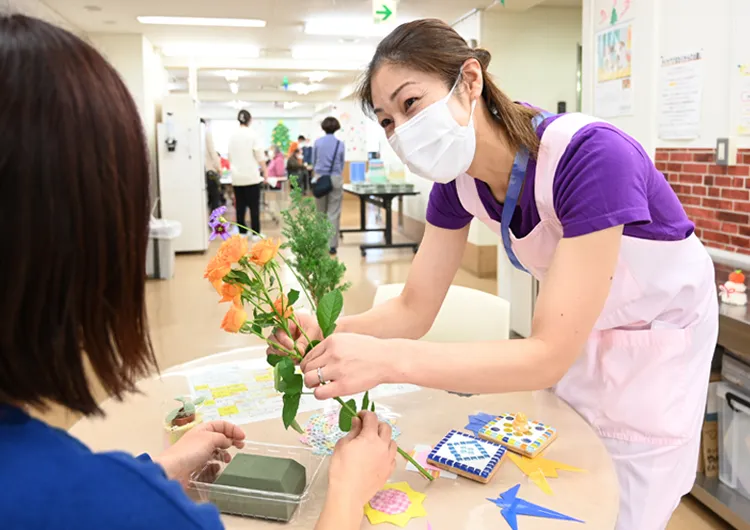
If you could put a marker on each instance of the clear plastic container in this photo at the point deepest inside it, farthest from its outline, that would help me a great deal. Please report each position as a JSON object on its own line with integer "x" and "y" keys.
{"x": 257, "y": 503}
{"x": 736, "y": 372}
{"x": 734, "y": 431}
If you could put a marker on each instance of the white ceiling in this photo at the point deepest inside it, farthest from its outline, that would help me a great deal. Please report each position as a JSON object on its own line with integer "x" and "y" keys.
{"x": 262, "y": 78}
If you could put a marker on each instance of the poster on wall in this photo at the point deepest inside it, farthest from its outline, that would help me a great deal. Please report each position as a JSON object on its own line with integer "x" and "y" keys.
{"x": 743, "y": 115}
{"x": 680, "y": 92}
{"x": 354, "y": 135}
{"x": 610, "y": 13}
{"x": 613, "y": 90}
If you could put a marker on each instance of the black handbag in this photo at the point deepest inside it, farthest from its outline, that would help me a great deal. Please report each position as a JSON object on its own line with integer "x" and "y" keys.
{"x": 324, "y": 185}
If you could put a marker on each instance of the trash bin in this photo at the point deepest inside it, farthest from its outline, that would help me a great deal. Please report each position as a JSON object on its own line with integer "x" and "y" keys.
{"x": 160, "y": 252}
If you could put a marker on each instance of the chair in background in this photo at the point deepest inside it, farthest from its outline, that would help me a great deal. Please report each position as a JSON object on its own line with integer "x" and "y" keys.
{"x": 467, "y": 315}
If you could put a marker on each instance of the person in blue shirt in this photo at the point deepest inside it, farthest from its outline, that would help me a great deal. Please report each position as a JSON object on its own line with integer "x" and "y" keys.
{"x": 328, "y": 159}
{"x": 74, "y": 206}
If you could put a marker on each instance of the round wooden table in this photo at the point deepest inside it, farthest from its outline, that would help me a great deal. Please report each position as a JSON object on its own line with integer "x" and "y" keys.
{"x": 136, "y": 426}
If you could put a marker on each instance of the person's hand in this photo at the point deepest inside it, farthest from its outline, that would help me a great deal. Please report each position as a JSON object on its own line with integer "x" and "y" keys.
{"x": 362, "y": 461}
{"x": 349, "y": 364}
{"x": 198, "y": 446}
{"x": 310, "y": 326}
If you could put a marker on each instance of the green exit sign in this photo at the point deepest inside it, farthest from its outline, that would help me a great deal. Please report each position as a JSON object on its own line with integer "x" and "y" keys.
{"x": 384, "y": 10}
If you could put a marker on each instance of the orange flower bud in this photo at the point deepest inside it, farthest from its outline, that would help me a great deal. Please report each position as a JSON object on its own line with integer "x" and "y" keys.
{"x": 282, "y": 305}
{"x": 233, "y": 249}
{"x": 234, "y": 319}
{"x": 264, "y": 251}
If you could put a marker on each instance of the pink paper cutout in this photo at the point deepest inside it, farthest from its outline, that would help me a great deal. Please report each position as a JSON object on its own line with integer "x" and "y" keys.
{"x": 392, "y": 502}
{"x": 421, "y": 459}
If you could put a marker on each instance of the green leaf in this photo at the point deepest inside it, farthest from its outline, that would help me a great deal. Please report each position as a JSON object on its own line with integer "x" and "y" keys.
{"x": 294, "y": 385}
{"x": 329, "y": 309}
{"x": 291, "y": 406}
{"x": 311, "y": 346}
{"x": 238, "y": 276}
{"x": 199, "y": 401}
{"x": 273, "y": 360}
{"x": 372, "y": 407}
{"x": 366, "y": 401}
{"x": 293, "y": 296}
{"x": 286, "y": 369}
{"x": 297, "y": 428}
{"x": 256, "y": 328}
{"x": 172, "y": 415}
{"x": 346, "y": 416}
{"x": 278, "y": 382}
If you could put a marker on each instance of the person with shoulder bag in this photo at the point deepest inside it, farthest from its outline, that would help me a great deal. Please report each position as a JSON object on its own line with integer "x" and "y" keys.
{"x": 328, "y": 182}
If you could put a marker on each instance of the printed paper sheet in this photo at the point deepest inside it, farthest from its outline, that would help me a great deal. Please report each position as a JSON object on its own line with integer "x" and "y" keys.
{"x": 243, "y": 392}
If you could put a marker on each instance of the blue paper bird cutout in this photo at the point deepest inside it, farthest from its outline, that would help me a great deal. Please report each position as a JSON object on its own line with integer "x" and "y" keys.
{"x": 477, "y": 421}
{"x": 511, "y": 507}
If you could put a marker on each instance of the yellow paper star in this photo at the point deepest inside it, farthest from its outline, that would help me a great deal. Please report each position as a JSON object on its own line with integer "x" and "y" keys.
{"x": 396, "y": 511}
{"x": 538, "y": 478}
{"x": 547, "y": 467}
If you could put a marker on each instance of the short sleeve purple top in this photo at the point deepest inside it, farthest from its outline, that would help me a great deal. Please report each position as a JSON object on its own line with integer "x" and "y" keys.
{"x": 604, "y": 179}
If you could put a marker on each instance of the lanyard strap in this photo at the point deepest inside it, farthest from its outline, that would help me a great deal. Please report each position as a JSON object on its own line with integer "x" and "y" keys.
{"x": 515, "y": 184}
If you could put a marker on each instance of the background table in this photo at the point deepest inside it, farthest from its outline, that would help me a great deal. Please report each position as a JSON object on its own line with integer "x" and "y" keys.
{"x": 426, "y": 416}
{"x": 382, "y": 200}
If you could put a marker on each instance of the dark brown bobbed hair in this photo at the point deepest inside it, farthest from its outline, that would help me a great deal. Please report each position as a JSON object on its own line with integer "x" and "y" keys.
{"x": 74, "y": 212}
{"x": 433, "y": 47}
{"x": 330, "y": 125}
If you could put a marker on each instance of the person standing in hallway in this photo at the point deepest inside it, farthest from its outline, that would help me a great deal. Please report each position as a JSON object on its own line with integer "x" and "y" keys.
{"x": 276, "y": 168}
{"x": 328, "y": 159}
{"x": 626, "y": 321}
{"x": 248, "y": 167}
{"x": 213, "y": 170}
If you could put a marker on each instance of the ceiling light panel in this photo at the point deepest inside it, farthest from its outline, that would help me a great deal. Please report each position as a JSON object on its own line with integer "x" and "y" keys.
{"x": 204, "y": 21}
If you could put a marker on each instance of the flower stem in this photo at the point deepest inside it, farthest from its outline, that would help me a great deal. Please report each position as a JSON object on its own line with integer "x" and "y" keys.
{"x": 296, "y": 323}
{"x": 281, "y": 319}
{"x": 403, "y": 453}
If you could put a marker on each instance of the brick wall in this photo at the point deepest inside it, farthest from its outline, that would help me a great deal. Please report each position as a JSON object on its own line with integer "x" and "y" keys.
{"x": 716, "y": 198}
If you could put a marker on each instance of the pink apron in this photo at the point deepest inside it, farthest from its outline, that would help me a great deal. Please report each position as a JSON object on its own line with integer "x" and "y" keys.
{"x": 642, "y": 379}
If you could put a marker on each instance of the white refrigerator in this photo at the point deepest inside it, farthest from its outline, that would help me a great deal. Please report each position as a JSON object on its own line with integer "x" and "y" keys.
{"x": 182, "y": 180}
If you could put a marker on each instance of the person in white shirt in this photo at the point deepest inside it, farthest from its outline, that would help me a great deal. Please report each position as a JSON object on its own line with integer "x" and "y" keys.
{"x": 248, "y": 166}
{"x": 213, "y": 170}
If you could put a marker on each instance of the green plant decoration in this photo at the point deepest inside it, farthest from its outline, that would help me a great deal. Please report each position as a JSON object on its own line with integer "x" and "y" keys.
{"x": 187, "y": 409}
{"x": 308, "y": 232}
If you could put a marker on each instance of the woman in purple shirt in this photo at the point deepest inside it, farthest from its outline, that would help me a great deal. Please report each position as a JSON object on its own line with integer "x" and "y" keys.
{"x": 626, "y": 320}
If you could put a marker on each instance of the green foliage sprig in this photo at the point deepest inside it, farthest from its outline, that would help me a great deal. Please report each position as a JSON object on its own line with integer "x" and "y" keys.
{"x": 308, "y": 232}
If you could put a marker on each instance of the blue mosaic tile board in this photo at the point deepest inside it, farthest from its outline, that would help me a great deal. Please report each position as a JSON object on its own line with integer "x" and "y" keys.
{"x": 528, "y": 438}
{"x": 467, "y": 456}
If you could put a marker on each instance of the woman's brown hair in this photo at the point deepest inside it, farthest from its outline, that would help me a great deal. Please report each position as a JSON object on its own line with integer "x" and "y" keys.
{"x": 74, "y": 212}
{"x": 433, "y": 47}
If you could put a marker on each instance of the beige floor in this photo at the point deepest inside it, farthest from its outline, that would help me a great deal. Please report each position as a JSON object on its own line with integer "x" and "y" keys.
{"x": 184, "y": 319}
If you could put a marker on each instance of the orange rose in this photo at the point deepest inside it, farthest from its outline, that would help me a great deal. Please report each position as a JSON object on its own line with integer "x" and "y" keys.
{"x": 233, "y": 249}
{"x": 282, "y": 308}
{"x": 231, "y": 292}
{"x": 234, "y": 319}
{"x": 217, "y": 268}
{"x": 264, "y": 251}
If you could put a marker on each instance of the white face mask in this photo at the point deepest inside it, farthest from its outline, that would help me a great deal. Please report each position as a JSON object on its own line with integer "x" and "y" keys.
{"x": 434, "y": 145}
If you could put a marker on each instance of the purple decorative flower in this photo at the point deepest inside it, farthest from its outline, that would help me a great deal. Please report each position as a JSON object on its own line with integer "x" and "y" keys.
{"x": 219, "y": 229}
{"x": 217, "y": 215}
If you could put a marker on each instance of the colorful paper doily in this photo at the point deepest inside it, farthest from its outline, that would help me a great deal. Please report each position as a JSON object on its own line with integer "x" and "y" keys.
{"x": 322, "y": 432}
